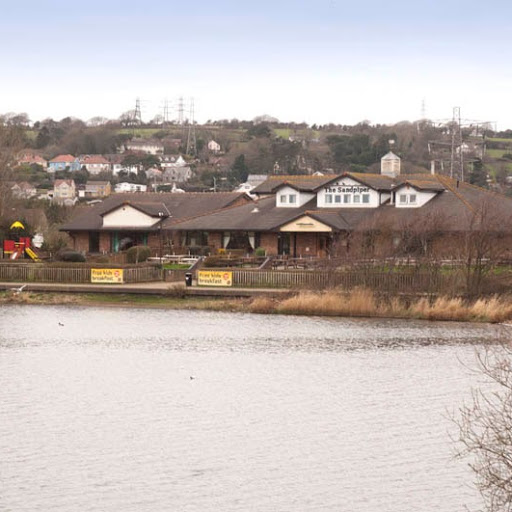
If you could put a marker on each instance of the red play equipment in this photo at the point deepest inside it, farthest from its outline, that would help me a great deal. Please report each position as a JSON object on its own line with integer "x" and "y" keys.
{"x": 16, "y": 246}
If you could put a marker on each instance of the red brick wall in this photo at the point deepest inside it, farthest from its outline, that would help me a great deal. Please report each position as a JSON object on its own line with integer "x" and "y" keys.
{"x": 80, "y": 241}
{"x": 154, "y": 240}
{"x": 306, "y": 244}
{"x": 215, "y": 241}
{"x": 269, "y": 242}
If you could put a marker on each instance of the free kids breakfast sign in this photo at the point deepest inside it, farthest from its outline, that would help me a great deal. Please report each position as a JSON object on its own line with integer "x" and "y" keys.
{"x": 107, "y": 275}
{"x": 214, "y": 278}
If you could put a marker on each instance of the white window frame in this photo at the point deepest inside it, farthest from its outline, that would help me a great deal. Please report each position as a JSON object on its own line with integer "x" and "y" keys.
{"x": 282, "y": 198}
{"x": 337, "y": 199}
{"x": 357, "y": 199}
{"x": 328, "y": 198}
{"x": 347, "y": 198}
{"x": 402, "y": 199}
{"x": 292, "y": 199}
{"x": 365, "y": 198}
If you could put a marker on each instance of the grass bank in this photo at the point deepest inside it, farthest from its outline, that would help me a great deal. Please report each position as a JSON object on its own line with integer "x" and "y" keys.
{"x": 123, "y": 300}
{"x": 357, "y": 303}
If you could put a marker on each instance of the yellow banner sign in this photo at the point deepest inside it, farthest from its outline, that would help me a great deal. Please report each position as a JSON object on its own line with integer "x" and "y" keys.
{"x": 106, "y": 275}
{"x": 214, "y": 278}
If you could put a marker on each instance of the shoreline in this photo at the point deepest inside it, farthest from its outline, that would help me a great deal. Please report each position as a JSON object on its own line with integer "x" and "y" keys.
{"x": 358, "y": 303}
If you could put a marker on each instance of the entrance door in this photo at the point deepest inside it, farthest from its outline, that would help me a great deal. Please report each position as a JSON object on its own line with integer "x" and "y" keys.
{"x": 287, "y": 244}
{"x": 283, "y": 243}
{"x": 94, "y": 241}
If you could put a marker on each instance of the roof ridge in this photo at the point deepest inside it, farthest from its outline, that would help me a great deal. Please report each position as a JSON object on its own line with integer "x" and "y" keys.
{"x": 145, "y": 194}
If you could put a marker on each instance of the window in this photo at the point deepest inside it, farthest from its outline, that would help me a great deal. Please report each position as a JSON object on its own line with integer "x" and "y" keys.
{"x": 346, "y": 198}
{"x": 366, "y": 198}
{"x": 407, "y": 199}
{"x": 357, "y": 198}
{"x": 292, "y": 198}
{"x": 282, "y": 198}
{"x": 328, "y": 198}
{"x": 337, "y": 199}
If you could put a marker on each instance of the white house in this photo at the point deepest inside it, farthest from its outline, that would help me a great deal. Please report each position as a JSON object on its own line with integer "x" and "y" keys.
{"x": 130, "y": 187}
{"x": 213, "y": 147}
{"x": 95, "y": 164}
{"x": 172, "y": 162}
{"x": 177, "y": 175}
{"x": 23, "y": 190}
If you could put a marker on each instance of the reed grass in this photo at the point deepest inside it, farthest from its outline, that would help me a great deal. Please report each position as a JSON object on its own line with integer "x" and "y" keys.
{"x": 365, "y": 303}
{"x": 264, "y": 305}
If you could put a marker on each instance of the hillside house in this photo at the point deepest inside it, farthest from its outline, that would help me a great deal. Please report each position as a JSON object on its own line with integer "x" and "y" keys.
{"x": 97, "y": 189}
{"x": 253, "y": 180}
{"x": 125, "y": 188}
{"x": 177, "y": 175}
{"x": 213, "y": 147}
{"x": 64, "y": 163}
{"x": 64, "y": 192}
{"x": 32, "y": 159}
{"x": 117, "y": 166}
{"x": 95, "y": 164}
{"x": 172, "y": 162}
{"x": 23, "y": 190}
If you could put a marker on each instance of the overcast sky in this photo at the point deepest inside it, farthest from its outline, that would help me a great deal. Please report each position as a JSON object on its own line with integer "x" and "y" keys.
{"x": 318, "y": 61}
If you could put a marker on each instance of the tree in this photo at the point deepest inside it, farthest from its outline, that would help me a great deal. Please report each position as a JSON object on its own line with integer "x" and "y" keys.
{"x": 260, "y": 130}
{"x": 12, "y": 140}
{"x": 477, "y": 174}
{"x": 485, "y": 429}
{"x": 239, "y": 171}
{"x": 484, "y": 242}
{"x": 43, "y": 138}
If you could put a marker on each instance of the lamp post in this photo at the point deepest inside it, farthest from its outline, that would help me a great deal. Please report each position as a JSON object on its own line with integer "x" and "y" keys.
{"x": 161, "y": 215}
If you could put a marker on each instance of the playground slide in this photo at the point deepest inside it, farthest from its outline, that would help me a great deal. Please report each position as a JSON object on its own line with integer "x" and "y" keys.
{"x": 32, "y": 254}
{"x": 14, "y": 255}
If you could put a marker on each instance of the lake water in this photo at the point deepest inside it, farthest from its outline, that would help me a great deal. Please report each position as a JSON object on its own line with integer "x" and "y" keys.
{"x": 282, "y": 413}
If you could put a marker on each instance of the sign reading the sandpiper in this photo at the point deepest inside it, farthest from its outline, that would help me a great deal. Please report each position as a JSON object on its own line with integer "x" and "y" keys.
{"x": 214, "y": 278}
{"x": 106, "y": 275}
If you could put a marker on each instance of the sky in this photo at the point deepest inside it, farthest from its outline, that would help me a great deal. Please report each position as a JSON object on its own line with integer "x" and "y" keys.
{"x": 323, "y": 61}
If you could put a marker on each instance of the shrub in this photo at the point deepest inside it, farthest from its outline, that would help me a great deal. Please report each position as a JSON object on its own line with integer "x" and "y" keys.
{"x": 260, "y": 251}
{"x": 206, "y": 251}
{"x": 138, "y": 254}
{"x": 215, "y": 262}
{"x": 71, "y": 256}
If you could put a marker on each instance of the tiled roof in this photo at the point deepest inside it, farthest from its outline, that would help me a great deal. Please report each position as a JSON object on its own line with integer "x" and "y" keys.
{"x": 63, "y": 158}
{"x": 179, "y": 206}
{"x": 452, "y": 208}
{"x": 58, "y": 183}
{"x": 93, "y": 159}
{"x": 305, "y": 183}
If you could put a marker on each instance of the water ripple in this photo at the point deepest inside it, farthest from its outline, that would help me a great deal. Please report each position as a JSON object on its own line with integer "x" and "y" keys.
{"x": 283, "y": 413}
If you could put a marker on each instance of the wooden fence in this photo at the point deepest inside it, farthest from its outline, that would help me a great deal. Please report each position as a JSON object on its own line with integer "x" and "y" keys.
{"x": 78, "y": 274}
{"x": 385, "y": 281}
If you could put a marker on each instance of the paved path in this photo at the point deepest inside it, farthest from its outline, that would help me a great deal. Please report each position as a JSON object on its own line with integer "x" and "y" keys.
{"x": 154, "y": 288}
